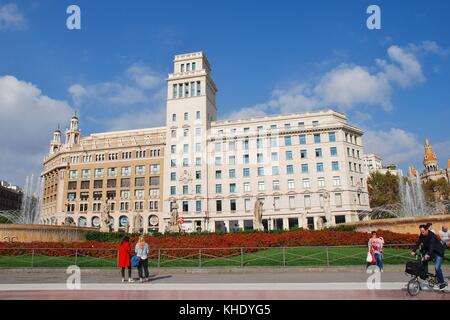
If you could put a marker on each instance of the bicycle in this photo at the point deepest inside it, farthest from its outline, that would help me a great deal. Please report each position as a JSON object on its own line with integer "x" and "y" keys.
{"x": 416, "y": 270}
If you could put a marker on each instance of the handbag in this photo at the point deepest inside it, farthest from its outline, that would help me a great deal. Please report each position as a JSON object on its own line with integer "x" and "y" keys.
{"x": 369, "y": 258}
{"x": 135, "y": 261}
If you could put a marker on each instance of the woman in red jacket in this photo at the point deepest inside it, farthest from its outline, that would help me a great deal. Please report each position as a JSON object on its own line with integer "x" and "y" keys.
{"x": 124, "y": 257}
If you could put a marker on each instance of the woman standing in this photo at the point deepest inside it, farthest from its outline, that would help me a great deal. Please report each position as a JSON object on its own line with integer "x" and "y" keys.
{"x": 376, "y": 249}
{"x": 123, "y": 258}
{"x": 141, "y": 250}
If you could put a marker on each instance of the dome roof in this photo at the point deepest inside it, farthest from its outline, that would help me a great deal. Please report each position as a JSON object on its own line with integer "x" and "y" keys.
{"x": 429, "y": 154}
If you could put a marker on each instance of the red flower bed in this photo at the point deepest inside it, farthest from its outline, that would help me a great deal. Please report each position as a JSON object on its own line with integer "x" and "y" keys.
{"x": 253, "y": 241}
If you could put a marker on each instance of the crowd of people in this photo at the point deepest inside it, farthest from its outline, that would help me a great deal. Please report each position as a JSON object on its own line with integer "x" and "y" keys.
{"x": 430, "y": 243}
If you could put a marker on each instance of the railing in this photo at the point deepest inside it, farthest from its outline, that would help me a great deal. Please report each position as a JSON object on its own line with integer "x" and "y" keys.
{"x": 237, "y": 257}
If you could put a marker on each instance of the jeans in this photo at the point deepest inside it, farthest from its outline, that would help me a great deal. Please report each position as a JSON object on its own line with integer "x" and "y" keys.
{"x": 379, "y": 260}
{"x": 437, "y": 266}
{"x": 143, "y": 268}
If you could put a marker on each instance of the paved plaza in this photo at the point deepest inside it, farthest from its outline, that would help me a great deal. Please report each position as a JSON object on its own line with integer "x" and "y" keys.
{"x": 205, "y": 284}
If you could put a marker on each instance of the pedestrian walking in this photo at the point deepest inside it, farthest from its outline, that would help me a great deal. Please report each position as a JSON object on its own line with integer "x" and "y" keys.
{"x": 141, "y": 250}
{"x": 123, "y": 258}
{"x": 375, "y": 245}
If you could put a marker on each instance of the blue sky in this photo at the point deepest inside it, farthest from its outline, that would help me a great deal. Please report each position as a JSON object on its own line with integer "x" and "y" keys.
{"x": 267, "y": 57}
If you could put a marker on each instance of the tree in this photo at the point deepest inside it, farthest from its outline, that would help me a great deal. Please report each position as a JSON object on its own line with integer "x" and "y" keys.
{"x": 436, "y": 190}
{"x": 383, "y": 189}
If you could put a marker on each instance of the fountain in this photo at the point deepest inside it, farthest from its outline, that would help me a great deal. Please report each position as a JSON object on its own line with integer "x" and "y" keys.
{"x": 406, "y": 215}
{"x": 24, "y": 224}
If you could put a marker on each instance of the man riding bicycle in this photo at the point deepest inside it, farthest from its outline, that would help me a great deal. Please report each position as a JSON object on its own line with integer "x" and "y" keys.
{"x": 431, "y": 249}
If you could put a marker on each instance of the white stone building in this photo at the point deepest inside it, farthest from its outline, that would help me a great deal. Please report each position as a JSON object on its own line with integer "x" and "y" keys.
{"x": 303, "y": 166}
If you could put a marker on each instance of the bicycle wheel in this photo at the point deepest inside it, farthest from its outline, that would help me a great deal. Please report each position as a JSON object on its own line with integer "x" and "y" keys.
{"x": 413, "y": 287}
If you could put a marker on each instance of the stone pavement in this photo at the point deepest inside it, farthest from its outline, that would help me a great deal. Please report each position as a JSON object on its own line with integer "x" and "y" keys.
{"x": 204, "y": 284}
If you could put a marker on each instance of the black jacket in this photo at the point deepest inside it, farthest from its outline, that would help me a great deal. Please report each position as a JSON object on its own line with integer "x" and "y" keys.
{"x": 430, "y": 245}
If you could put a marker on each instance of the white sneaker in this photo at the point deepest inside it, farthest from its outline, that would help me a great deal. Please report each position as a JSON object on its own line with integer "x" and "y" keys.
{"x": 130, "y": 280}
{"x": 123, "y": 279}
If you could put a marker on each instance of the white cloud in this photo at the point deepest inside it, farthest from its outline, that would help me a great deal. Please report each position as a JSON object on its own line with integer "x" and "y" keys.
{"x": 143, "y": 76}
{"x": 27, "y": 121}
{"x": 347, "y": 87}
{"x": 11, "y": 17}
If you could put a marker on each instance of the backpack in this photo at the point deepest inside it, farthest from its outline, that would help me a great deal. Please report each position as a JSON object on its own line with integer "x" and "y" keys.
{"x": 135, "y": 261}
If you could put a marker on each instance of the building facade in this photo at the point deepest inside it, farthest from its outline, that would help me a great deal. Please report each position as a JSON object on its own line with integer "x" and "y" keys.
{"x": 10, "y": 196}
{"x": 373, "y": 163}
{"x": 122, "y": 169}
{"x": 432, "y": 170}
{"x": 302, "y": 166}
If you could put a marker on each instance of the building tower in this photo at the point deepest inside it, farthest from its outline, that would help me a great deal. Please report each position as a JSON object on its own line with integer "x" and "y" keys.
{"x": 73, "y": 133}
{"x": 191, "y": 107}
{"x": 430, "y": 160}
{"x": 55, "y": 144}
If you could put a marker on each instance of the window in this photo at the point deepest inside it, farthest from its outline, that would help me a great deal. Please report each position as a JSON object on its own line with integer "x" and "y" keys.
{"x": 185, "y": 148}
{"x": 276, "y": 203}
{"x": 246, "y": 129}
{"x": 304, "y": 168}
{"x": 72, "y": 185}
{"x": 174, "y": 117}
{"x": 246, "y": 158}
{"x": 155, "y": 168}
{"x": 275, "y": 170}
{"x": 290, "y": 169}
{"x": 73, "y": 174}
{"x": 287, "y": 125}
{"x": 317, "y": 138}
{"x": 291, "y": 184}
{"x": 259, "y": 158}
{"x": 247, "y": 187}
{"x": 219, "y": 205}
{"x": 185, "y": 162}
{"x": 301, "y": 124}
{"x": 232, "y": 187}
{"x": 84, "y": 185}
{"x": 246, "y": 172}
{"x": 259, "y": 143}
{"x": 233, "y": 205}
{"x": 232, "y": 160}
{"x": 274, "y": 142}
{"x": 185, "y": 189}
{"x": 217, "y": 147}
{"x": 198, "y": 175}
{"x": 231, "y": 146}
{"x": 140, "y": 170}
{"x": 247, "y": 205}
{"x": 232, "y": 173}
{"x": 218, "y": 174}
{"x": 125, "y": 194}
{"x": 338, "y": 199}
{"x": 274, "y": 156}
{"x": 315, "y": 123}
{"x": 321, "y": 200}
{"x": 319, "y": 167}
{"x": 218, "y": 161}
{"x": 185, "y": 206}
{"x": 291, "y": 202}
{"x": 260, "y": 171}
{"x": 339, "y": 219}
{"x": 261, "y": 186}
{"x": 307, "y": 201}
{"x": 198, "y": 206}
{"x": 173, "y": 190}
{"x": 139, "y": 194}
{"x": 303, "y": 154}
{"x": 198, "y": 161}
{"x": 126, "y": 171}
{"x": 198, "y": 188}
{"x": 98, "y": 184}
{"x": 154, "y": 181}
{"x": 276, "y": 185}
{"x": 199, "y": 88}
{"x": 321, "y": 182}
{"x": 218, "y": 188}
{"x": 186, "y": 116}
{"x": 287, "y": 141}
{"x": 140, "y": 154}
{"x": 193, "y": 90}
{"x": 174, "y": 91}
{"x": 124, "y": 206}
{"x": 318, "y": 152}
{"x": 182, "y": 67}
{"x": 288, "y": 155}
{"x": 333, "y": 151}
{"x": 173, "y": 163}
{"x": 186, "y": 133}
{"x": 86, "y": 173}
{"x": 302, "y": 139}
{"x": 125, "y": 182}
{"x": 139, "y": 182}
{"x": 331, "y": 136}
{"x": 306, "y": 184}
{"x": 198, "y": 132}
{"x": 245, "y": 145}
{"x": 193, "y": 66}
{"x": 336, "y": 181}
{"x": 154, "y": 193}
{"x": 71, "y": 196}
{"x": 335, "y": 165}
